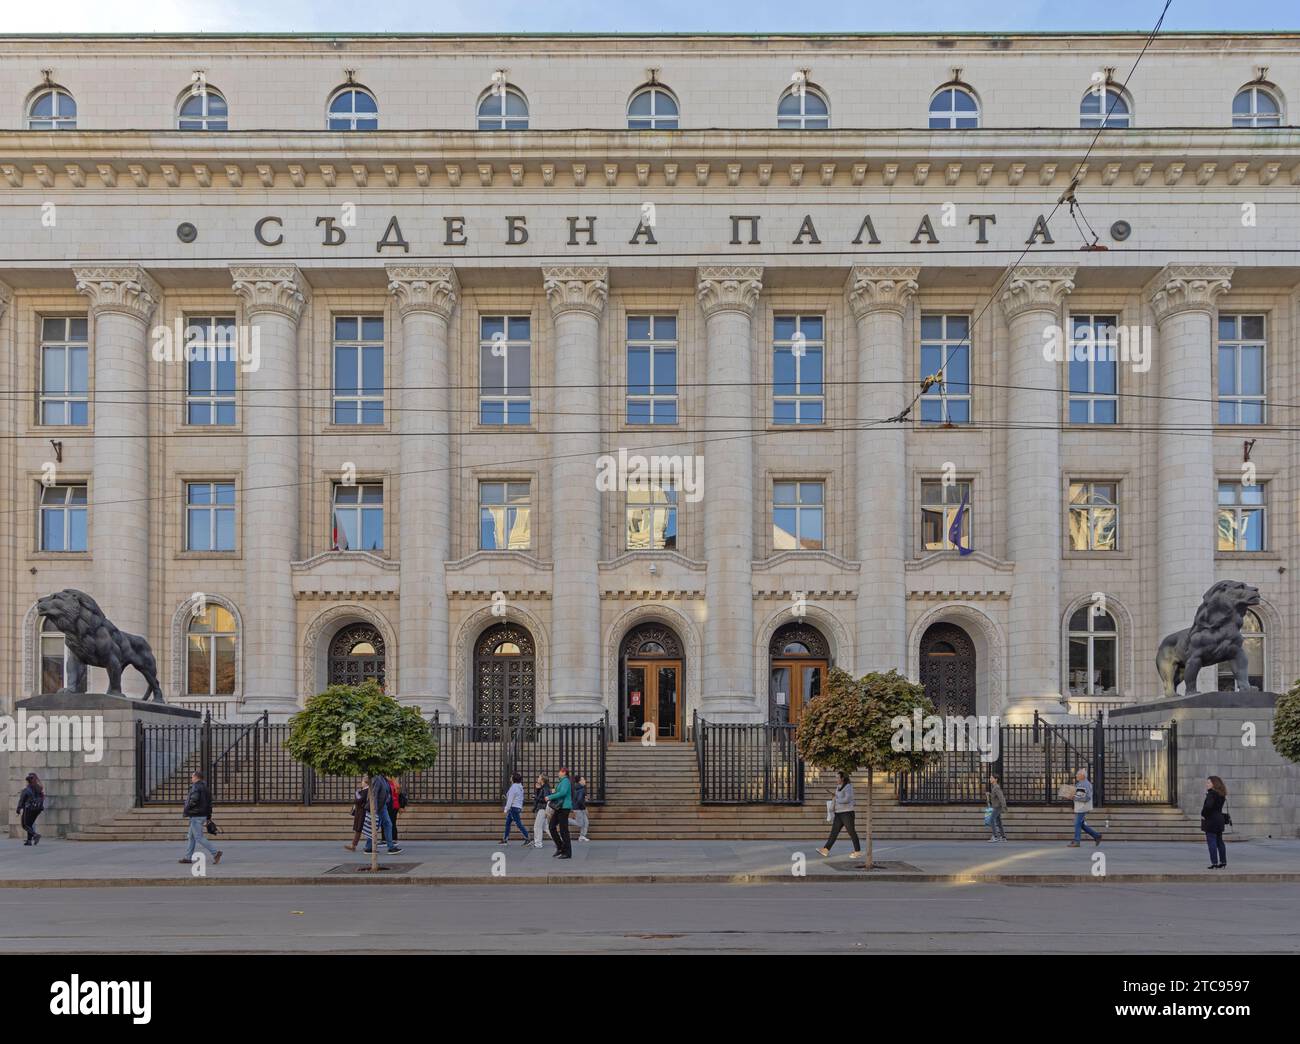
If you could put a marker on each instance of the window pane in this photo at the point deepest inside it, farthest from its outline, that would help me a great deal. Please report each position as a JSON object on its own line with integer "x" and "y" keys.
{"x": 665, "y": 372}
{"x": 783, "y": 529}
{"x": 638, "y": 371}
{"x": 198, "y": 679}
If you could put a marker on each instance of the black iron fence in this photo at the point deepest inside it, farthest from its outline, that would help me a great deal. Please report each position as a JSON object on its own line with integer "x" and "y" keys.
{"x": 247, "y": 763}
{"x": 1036, "y": 763}
{"x": 747, "y": 764}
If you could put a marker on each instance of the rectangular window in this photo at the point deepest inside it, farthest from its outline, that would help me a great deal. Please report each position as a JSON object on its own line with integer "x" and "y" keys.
{"x": 798, "y": 345}
{"x": 505, "y": 516}
{"x": 1094, "y": 516}
{"x": 209, "y": 516}
{"x": 945, "y": 353}
{"x": 359, "y": 517}
{"x": 505, "y": 391}
{"x": 65, "y": 380}
{"x": 211, "y": 359}
{"x": 358, "y": 369}
{"x": 63, "y": 518}
{"x": 1241, "y": 517}
{"x": 1094, "y": 369}
{"x": 941, "y": 503}
{"x": 652, "y": 369}
{"x": 1241, "y": 369}
{"x": 798, "y": 516}
{"x": 651, "y": 516}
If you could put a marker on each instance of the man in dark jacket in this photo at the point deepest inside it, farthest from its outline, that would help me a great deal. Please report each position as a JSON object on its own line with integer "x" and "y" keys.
{"x": 383, "y": 795}
{"x": 198, "y": 810}
{"x": 31, "y": 803}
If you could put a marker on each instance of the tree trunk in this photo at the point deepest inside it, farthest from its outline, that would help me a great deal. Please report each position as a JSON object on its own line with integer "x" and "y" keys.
{"x": 374, "y": 831}
{"x": 867, "y": 864}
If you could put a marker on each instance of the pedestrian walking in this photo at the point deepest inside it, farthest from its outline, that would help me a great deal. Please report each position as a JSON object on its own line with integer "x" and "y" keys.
{"x": 541, "y": 809}
{"x": 1082, "y": 806}
{"x": 562, "y": 804}
{"x": 580, "y": 808}
{"x": 1213, "y": 820}
{"x": 198, "y": 810}
{"x": 514, "y": 807}
{"x": 31, "y": 803}
{"x": 843, "y": 813}
{"x": 383, "y": 803}
{"x": 360, "y": 803}
{"x": 397, "y": 802}
{"x": 997, "y": 805}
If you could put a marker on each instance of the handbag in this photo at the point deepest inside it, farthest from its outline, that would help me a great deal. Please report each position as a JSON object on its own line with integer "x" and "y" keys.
{"x": 211, "y": 827}
{"x": 988, "y": 816}
{"x": 830, "y": 811}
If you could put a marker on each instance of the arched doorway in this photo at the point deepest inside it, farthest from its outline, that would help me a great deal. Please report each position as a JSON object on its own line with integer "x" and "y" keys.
{"x": 799, "y": 656}
{"x": 948, "y": 669}
{"x": 651, "y": 683}
{"x": 505, "y": 677}
{"x": 356, "y": 655}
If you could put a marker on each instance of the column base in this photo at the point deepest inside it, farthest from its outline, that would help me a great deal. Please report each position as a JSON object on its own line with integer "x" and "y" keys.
{"x": 428, "y": 704}
{"x": 1021, "y": 711}
{"x": 733, "y": 708}
{"x": 573, "y": 707}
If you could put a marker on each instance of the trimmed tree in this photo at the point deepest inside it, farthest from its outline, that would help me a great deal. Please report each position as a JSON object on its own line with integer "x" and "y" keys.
{"x": 357, "y": 730}
{"x": 1286, "y": 724}
{"x": 852, "y": 725}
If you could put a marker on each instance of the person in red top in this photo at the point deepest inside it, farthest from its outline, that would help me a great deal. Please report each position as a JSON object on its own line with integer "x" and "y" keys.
{"x": 398, "y": 803}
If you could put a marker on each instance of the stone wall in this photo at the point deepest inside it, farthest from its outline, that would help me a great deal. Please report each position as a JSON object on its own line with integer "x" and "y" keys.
{"x": 80, "y": 792}
{"x": 1263, "y": 787}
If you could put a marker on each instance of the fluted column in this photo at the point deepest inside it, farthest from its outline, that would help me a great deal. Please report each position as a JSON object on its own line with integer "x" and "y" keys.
{"x": 727, "y": 296}
{"x": 426, "y": 297}
{"x": 878, "y": 296}
{"x": 274, "y": 297}
{"x": 577, "y": 296}
{"x": 122, "y": 301}
{"x": 1183, "y": 299}
{"x": 1032, "y": 303}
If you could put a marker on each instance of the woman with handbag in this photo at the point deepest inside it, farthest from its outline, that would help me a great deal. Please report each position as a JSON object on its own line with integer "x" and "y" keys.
{"x": 997, "y": 805}
{"x": 31, "y": 803}
{"x": 541, "y": 809}
{"x": 1213, "y": 820}
{"x": 842, "y": 812}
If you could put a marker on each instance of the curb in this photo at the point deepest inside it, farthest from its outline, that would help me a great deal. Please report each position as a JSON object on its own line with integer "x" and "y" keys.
{"x": 656, "y": 879}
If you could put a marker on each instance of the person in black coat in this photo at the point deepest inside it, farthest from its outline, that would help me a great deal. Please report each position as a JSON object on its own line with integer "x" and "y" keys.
{"x": 31, "y": 803}
{"x": 198, "y": 810}
{"x": 1213, "y": 821}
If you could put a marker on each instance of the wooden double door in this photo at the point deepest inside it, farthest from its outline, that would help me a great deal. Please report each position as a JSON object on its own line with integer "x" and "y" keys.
{"x": 794, "y": 684}
{"x": 653, "y": 696}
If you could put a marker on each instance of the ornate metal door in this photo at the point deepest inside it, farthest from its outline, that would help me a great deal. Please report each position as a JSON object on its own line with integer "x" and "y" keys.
{"x": 356, "y": 655}
{"x": 505, "y": 677}
{"x": 948, "y": 669}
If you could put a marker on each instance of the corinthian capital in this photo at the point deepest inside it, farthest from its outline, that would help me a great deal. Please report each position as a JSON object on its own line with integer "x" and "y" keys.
{"x": 119, "y": 288}
{"x": 1037, "y": 288}
{"x": 424, "y": 288}
{"x": 270, "y": 288}
{"x": 1188, "y": 288}
{"x": 874, "y": 288}
{"x": 728, "y": 288}
{"x": 576, "y": 288}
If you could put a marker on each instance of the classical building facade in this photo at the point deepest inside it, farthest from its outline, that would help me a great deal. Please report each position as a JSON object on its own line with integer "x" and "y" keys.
{"x": 549, "y": 378}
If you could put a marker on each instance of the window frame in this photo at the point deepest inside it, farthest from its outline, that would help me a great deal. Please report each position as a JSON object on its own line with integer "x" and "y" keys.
{"x": 1087, "y": 508}
{"x": 804, "y": 120}
{"x": 205, "y": 92}
{"x": 1091, "y": 397}
{"x": 506, "y": 399}
{"x": 1102, "y": 119}
{"x": 351, "y": 116}
{"x": 939, "y": 392}
{"x": 360, "y": 399}
{"x": 359, "y": 508}
{"x": 656, "y": 346}
{"x": 648, "y": 503}
{"x": 1236, "y": 345}
{"x": 210, "y": 637}
{"x": 952, "y": 114}
{"x": 1254, "y": 119}
{"x": 67, "y": 507}
{"x": 504, "y": 117}
{"x": 1091, "y": 636}
{"x": 43, "y": 636}
{"x": 212, "y": 345}
{"x": 214, "y": 509}
{"x": 65, "y": 345}
{"x": 800, "y": 508}
{"x": 654, "y": 121}
{"x": 505, "y": 505}
{"x": 799, "y": 398}
{"x": 58, "y": 121}
{"x": 948, "y": 507}
{"x": 1237, "y": 509}
{"x": 1223, "y": 671}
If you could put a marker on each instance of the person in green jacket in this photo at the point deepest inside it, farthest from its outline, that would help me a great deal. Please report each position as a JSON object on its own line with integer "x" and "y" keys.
{"x": 562, "y": 802}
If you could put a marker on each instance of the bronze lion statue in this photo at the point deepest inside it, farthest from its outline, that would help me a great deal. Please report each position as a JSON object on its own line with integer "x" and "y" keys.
{"x": 95, "y": 642}
{"x": 1214, "y": 637}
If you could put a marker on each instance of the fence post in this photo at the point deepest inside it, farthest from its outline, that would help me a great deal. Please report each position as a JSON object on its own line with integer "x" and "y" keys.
{"x": 1048, "y": 793}
{"x": 139, "y": 763}
{"x": 1099, "y": 760}
{"x": 205, "y": 752}
{"x": 1172, "y": 762}
{"x": 257, "y": 761}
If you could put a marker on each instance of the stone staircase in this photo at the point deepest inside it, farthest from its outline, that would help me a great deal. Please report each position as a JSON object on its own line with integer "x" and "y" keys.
{"x": 652, "y": 793}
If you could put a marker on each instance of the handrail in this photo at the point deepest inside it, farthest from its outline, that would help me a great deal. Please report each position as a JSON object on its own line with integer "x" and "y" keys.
{"x": 263, "y": 720}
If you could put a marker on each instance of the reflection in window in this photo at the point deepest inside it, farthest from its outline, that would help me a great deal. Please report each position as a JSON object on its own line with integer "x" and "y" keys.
{"x": 798, "y": 516}
{"x": 58, "y": 665}
{"x": 505, "y": 516}
{"x": 210, "y": 667}
{"x": 1255, "y": 645}
{"x": 358, "y": 517}
{"x": 1094, "y": 652}
{"x": 1241, "y": 517}
{"x": 651, "y": 516}
{"x": 1094, "y": 516}
{"x": 941, "y": 503}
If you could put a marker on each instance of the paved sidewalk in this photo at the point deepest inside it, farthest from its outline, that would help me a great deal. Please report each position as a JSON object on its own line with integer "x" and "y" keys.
{"x": 77, "y": 863}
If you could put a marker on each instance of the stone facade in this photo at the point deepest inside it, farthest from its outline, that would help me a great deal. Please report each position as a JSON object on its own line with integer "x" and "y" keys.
{"x": 870, "y": 226}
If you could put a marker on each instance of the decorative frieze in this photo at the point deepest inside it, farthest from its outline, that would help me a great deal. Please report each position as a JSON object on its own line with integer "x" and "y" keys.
{"x": 728, "y": 288}
{"x": 424, "y": 288}
{"x": 127, "y": 289}
{"x": 1183, "y": 288}
{"x": 270, "y": 288}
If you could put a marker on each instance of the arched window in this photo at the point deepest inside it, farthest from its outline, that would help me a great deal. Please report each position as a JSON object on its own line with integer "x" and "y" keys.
{"x": 1252, "y": 630}
{"x": 59, "y": 668}
{"x": 52, "y": 109}
{"x": 1256, "y": 105}
{"x": 502, "y": 107}
{"x": 353, "y": 108}
{"x": 1094, "y": 653}
{"x": 803, "y": 107}
{"x": 505, "y": 677}
{"x": 357, "y": 654}
{"x": 652, "y": 107}
{"x": 203, "y": 108}
{"x": 1105, "y": 105}
{"x": 798, "y": 658}
{"x": 210, "y": 652}
{"x": 954, "y": 107}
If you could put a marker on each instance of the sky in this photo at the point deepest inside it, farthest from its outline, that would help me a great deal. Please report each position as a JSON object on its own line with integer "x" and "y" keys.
{"x": 499, "y": 16}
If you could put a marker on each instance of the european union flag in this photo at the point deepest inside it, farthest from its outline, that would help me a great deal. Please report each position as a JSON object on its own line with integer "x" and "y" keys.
{"x": 954, "y": 530}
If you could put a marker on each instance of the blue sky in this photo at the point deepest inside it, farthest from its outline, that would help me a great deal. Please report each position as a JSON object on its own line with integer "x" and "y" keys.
{"x": 496, "y": 16}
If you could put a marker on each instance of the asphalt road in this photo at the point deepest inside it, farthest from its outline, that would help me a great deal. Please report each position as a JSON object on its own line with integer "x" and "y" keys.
{"x": 804, "y": 917}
